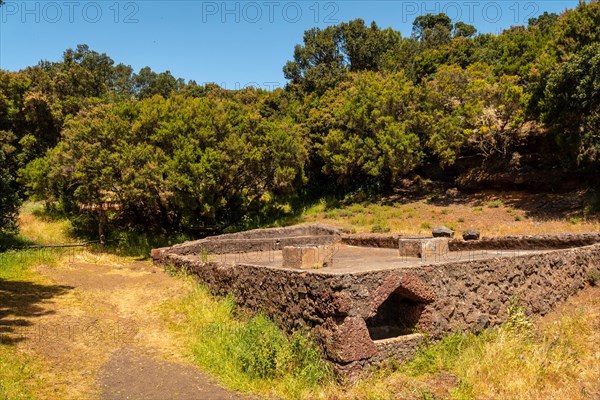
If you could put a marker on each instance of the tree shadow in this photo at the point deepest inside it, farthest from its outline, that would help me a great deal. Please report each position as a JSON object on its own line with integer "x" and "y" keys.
{"x": 543, "y": 206}
{"x": 13, "y": 241}
{"x": 20, "y": 301}
{"x": 441, "y": 194}
{"x": 548, "y": 206}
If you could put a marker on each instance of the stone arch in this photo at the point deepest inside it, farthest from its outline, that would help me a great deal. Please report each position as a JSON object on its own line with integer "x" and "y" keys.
{"x": 397, "y": 307}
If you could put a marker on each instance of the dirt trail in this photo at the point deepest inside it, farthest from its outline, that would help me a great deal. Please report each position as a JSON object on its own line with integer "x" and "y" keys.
{"x": 103, "y": 337}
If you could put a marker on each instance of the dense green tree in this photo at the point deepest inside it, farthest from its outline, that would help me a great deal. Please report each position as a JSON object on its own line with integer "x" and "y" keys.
{"x": 572, "y": 106}
{"x": 433, "y": 29}
{"x": 9, "y": 199}
{"x": 471, "y": 110}
{"x": 578, "y": 28}
{"x": 148, "y": 83}
{"x": 366, "y": 127}
{"x": 329, "y": 54}
{"x": 464, "y": 30}
{"x": 364, "y": 106}
{"x": 175, "y": 163}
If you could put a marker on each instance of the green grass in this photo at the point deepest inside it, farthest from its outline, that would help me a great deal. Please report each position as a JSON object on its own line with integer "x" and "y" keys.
{"x": 16, "y": 264}
{"x": 380, "y": 227}
{"x": 248, "y": 353}
{"x": 516, "y": 360}
{"x": 8, "y": 242}
{"x": 494, "y": 203}
{"x": 575, "y": 220}
{"x": 139, "y": 244}
{"x": 18, "y": 375}
{"x": 251, "y": 354}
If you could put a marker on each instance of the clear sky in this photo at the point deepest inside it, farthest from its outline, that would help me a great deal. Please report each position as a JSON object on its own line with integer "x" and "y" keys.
{"x": 231, "y": 43}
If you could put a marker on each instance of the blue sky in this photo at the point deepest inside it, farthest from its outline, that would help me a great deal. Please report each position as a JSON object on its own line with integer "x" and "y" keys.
{"x": 231, "y": 43}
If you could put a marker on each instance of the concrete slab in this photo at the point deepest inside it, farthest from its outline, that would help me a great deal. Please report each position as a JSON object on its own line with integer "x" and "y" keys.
{"x": 351, "y": 259}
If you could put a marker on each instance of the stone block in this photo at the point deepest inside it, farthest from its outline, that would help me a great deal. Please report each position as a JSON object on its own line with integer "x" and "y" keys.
{"x": 434, "y": 248}
{"x": 307, "y": 257}
{"x": 409, "y": 247}
{"x": 423, "y": 248}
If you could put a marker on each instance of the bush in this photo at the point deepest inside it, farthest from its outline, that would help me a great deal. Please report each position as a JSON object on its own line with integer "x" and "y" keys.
{"x": 594, "y": 278}
{"x": 380, "y": 228}
{"x": 494, "y": 203}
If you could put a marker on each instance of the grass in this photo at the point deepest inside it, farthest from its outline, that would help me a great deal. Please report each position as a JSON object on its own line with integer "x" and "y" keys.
{"x": 139, "y": 244}
{"x": 494, "y": 203}
{"x": 575, "y": 220}
{"x": 522, "y": 364}
{"x": 247, "y": 353}
{"x": 491, "y": 214}
{"x": 556, "y": 357}
{"x": 19, "y": 373}
{"x": 35, "y": 226}
{"x": 25, "y": 373}
{"x": 16, "y": 265}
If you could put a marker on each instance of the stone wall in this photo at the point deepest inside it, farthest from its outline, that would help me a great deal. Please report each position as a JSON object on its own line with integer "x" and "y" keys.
{"x": 509, "y": 242}
{"x": 259, "y": 240}
{"x": 350, "y": 315}
{"x": 527, "y": 242}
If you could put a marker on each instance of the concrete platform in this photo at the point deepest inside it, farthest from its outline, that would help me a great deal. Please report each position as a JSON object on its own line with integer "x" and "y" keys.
{"x": 353, "y": 259}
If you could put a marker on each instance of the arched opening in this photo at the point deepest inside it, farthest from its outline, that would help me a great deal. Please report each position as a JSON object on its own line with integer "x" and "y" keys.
{"x": 398, "y": 315}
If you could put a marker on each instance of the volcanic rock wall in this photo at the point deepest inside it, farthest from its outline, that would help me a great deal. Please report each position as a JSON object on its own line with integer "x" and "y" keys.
{"x": 365, "y": 317}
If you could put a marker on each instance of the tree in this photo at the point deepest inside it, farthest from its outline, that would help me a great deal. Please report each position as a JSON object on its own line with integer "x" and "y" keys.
{"x": 464, "y": 30}
{"x": 471, "y": 110}
{"x": 578, "y": 28}
{"x": 329, "y": 54}
{"x": 148, "y": 83}
{"x": 366, "y": 127}
{"x": 9, "y": 199}
{"x": 432, "y": 29}
{"x": 572, "y": 106}
{"x": 365, "y": 47}
{"x": 175, "y": 163}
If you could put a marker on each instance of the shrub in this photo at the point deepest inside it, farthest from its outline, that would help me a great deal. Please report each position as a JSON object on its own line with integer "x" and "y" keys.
{"x": 594, "y": 278}
{"x": 494, "y": 203}
{"x": 380, "y": 228}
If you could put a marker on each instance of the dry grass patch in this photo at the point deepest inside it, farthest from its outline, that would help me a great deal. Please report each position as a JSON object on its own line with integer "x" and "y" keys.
{"x": 494, "y": 214}
{"x": 557, "y": 357}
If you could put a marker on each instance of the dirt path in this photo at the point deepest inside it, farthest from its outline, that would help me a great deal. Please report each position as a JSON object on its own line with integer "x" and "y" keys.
{"x": 102, "y": 335}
